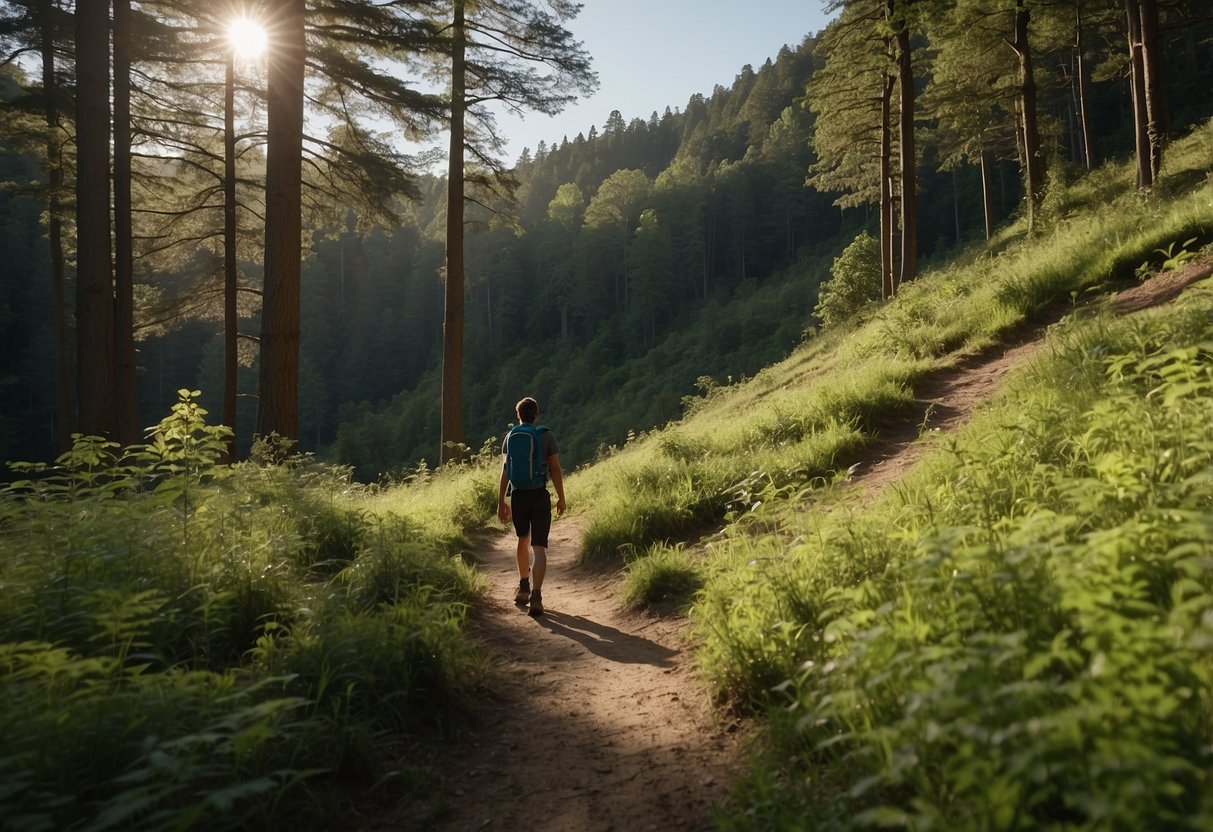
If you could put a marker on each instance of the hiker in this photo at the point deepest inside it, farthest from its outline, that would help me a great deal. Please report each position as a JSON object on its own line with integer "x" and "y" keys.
{"x": 530, "y": 456}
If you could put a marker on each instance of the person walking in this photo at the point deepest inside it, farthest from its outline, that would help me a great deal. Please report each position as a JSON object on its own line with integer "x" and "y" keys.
{"x": 530, "y": 456}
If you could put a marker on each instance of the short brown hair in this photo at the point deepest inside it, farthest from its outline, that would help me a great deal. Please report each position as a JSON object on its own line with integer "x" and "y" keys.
{"x": 527, "y": 410}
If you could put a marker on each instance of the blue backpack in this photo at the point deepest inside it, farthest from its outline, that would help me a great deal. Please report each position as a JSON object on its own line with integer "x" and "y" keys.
{"x": 524, "y": 457}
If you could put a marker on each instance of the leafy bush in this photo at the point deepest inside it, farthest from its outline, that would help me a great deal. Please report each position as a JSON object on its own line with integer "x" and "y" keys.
{"x": 854, "y": 281}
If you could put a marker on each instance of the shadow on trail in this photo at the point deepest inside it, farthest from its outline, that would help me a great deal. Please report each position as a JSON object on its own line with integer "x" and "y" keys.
{"x": 607, "y": 642}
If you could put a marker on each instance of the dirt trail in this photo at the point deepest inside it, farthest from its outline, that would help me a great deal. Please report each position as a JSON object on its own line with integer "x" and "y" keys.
{"x": 598, "y": 721}
{"x": 947, "y": 398}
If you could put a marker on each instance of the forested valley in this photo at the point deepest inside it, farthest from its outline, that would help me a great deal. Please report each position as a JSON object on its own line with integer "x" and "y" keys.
{"x": 627, "y": 268}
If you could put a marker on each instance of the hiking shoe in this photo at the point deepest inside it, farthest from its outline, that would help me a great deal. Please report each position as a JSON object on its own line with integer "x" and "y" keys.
{"x": 523, "y": 594}
{"x": 536, "y": 605}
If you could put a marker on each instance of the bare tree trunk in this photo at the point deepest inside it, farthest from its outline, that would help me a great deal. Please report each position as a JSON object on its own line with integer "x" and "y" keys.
{"x": 987, "y": 198}
{"x": 54, "y": 227}
{"x": 1137, "y": 86}
{"x": 888, "y": 286}
{"x": 908, "y": 157}
{"x": 452, "y": 321}
{"x": 956, "y": 204}
{"x": 231, "y": 366}
{"x": 1080, "y": 72}
{"x": 94, "y": 267}
{"x": 1034, "y": 166}
{"x": 278, "y": 383}
{"x": 1157, "y": 117}
{"x": 125, "y": 391}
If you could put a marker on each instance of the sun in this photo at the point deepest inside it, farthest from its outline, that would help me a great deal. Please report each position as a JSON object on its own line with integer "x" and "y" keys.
{"x": 247, "y": 37}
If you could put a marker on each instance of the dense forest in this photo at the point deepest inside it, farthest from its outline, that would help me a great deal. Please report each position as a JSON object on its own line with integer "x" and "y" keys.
{"x": 611, "y": 274}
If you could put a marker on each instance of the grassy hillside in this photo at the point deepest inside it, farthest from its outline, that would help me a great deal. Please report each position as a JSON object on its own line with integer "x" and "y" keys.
{"x": 1017, "y": 636}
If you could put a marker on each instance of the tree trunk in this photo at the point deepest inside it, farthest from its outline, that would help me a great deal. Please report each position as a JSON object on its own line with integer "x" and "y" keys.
{"x": 987, "y": 198}
{"x": 956, "y": 205}
{"x": 54, "y": 227}
{"x": 278, "y": 384}
{"x": 887, "y": 283}
{"x": 1137, "y": 87}
{"x": 1157, "y": 117}
{"x": 94, "y": 268}
{"x": 1080, "y": 73}
{"x": 452, "y": 321}
{"x": 125, "y": 391}
{"x": 1034, "y": 167}
{"x": 909, "y": 177}
{"x": 230, "y": 362}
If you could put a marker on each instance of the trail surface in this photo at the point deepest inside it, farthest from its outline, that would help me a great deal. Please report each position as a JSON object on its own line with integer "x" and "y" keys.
{"x": 947, "y": 397}
{"x": 598, "y": 722}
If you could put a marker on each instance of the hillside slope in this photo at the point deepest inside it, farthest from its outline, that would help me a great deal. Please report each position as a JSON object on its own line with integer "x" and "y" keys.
{"x": 598, "y": 720}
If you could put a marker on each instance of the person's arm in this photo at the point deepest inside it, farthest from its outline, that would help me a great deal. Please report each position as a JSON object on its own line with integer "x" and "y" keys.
{"x": 558, "y": 481}
{"x": 503, "y": 510}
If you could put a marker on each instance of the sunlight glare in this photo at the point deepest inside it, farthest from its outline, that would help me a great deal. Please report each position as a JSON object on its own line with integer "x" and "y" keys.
{"x": 247, "y": 37}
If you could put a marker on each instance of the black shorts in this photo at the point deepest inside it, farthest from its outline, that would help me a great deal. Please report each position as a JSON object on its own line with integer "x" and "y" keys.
{"x": 532, "y": 513}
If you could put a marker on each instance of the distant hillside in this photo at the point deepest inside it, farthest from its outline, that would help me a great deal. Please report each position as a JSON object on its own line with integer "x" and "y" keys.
{"x": 642, "y": 260}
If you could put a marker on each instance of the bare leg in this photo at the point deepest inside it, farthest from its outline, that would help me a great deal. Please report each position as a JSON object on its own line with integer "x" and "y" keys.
{"x": 524, "y": 556}
{"x": 541, "y": 565}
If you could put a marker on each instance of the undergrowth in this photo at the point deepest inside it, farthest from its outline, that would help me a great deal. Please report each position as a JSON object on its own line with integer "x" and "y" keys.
{"x": 185, "y": 645}
{"x": 1018, "y": 637}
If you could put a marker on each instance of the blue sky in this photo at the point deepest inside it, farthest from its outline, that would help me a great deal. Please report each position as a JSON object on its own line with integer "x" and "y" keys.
{"x": 650, "y": 54}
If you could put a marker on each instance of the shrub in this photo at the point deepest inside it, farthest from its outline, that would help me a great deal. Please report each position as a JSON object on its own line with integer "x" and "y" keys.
{"x": 854, "y": 281}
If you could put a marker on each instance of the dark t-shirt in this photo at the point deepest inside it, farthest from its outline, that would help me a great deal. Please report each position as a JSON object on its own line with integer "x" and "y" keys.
{"x": 547, "y": 448}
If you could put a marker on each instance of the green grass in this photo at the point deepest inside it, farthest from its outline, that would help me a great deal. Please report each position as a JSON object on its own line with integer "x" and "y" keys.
{"x": 1021, "y": 631}
{"x": 662, "y": 577}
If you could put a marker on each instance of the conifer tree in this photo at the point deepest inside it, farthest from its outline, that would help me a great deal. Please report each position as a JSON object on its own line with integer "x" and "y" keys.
{"x": 517, "y": 53}
{"x": 95, "y": 374}
{"x": 852, "y": 99}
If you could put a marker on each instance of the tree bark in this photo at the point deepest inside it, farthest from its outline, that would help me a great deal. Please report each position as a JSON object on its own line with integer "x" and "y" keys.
{"x": 54, "y": 227}
{"x": 1080, "y": 72}
{"x": 94, "y": 268}
{"x": 1157, "y": 117}
{"x": 230, "y": 363}
{"x": 1034, "y": 167}
{"x": 987, "y": 198}
{"x": 1137, "y": 87}
{"x": 909, "y": 177}
{"x": 888, "y": 285}
{"x": 278, "y": 384}
{"x": 452, "y": 320}
{"x": 125, "y": 391}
